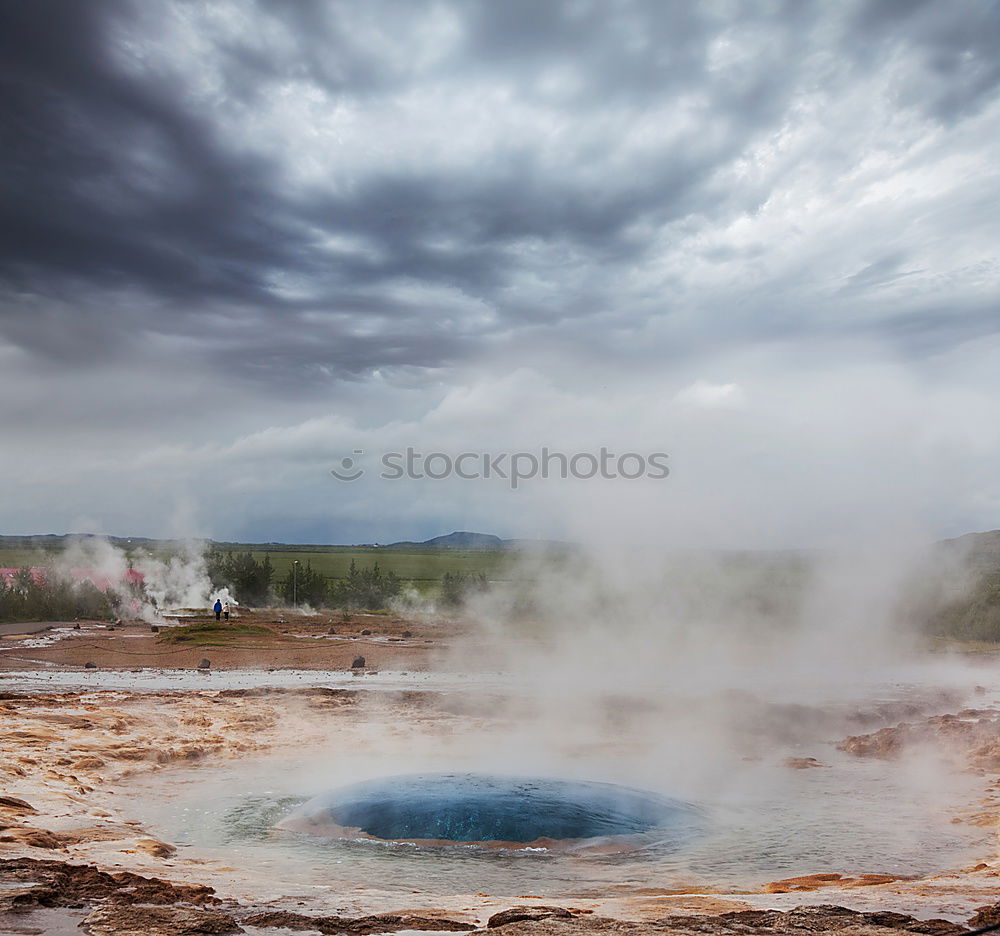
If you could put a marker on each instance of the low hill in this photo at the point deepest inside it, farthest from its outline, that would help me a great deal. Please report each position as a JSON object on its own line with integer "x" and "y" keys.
{"x": 460, "y": 539}
{"x": 958, "y": 592}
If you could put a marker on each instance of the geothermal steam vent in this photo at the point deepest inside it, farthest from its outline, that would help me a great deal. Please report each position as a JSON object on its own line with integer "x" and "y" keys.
{"x": 480, "y": 808}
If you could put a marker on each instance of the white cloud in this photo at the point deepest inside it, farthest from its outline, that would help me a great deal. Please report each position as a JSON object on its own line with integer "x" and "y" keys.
{"x": 713, "y": 396}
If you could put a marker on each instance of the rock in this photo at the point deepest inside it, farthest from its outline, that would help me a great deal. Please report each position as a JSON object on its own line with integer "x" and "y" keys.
{"x": 521, "y": 914}
{"x": 802, "y": 763}
{"x": 359, "y": 926}
{"x": 88, "y": 762}
{"x": 332, "y": 631}
{"x": 801, "y": 921}
{"x": 205, "y": 663}
{"x": 21, "y": 899}
{"x": 117, "y": 920}
{"x": 72, "y": 885}
{"x": 805, "y": 882}
{"x": 407, "y": 633}
{"x": 985, "y": 916}
{"x": 359, "y": 663}
{"x": 90, "y": 665}
{"x": 76, "y": 626}
{"x": 33, "y": 838}
{"x": 366, "y": 633}
{"x": 972, "y": 732}
{"x": 156, "y": 848}
{"x": 19, "y": 805}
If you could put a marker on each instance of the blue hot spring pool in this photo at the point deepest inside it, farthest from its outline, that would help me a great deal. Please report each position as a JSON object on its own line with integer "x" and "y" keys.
{"x": 495, "y": 811}
{"x": 856, "y": 816}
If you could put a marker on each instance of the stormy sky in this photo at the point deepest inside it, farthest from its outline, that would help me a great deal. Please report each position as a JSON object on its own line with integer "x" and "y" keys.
{"x": 241, "y": 241}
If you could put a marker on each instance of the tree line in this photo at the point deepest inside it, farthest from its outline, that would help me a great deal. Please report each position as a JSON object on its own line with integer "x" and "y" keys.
{"x": 56, "y": 598}
{"x": 252, "y": 581}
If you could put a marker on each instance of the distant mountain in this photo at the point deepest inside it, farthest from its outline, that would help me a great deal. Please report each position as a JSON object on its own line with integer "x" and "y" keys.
{"x": 460, "y": 539}
{"x": 31, "y": 540}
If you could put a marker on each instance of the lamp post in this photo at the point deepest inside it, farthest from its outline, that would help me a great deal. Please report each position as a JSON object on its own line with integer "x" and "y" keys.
{"x": 295, "y": 583}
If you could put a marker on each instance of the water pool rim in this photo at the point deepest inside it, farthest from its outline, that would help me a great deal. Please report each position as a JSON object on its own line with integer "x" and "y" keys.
{"x": 496, "y": 811}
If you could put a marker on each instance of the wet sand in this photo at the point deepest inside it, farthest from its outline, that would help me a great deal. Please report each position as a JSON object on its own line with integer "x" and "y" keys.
{"x": 75, "y": 764}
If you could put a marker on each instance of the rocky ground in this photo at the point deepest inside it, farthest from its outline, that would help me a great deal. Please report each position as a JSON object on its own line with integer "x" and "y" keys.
{"x": 75, "y": 857}
{"x": 313, "y": 642}
{"x": 53, "y": 896}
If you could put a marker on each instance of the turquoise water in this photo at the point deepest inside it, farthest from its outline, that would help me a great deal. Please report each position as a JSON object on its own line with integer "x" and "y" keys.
{"x": 490, "y": 808}
{"x": 853, "y": 817}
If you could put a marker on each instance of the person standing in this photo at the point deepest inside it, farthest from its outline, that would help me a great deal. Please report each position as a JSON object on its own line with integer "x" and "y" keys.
{"x": 218, "y": 609}
{"x": 225, "y": 611}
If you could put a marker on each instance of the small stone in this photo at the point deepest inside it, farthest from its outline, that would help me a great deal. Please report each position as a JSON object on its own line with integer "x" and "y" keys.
{"x": 366, "y": 633}
{"x": 407, "y": 633}
{"x": 802, "y": 763}
{"x": 359, "y": 663}
{"x": 156, "y": 848}
{"x": 90, "y": 665}
{"x": 205, "y": 663}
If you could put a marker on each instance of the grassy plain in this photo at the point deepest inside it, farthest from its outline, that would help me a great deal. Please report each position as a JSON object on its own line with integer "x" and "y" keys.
{"x": 421, "y": 567}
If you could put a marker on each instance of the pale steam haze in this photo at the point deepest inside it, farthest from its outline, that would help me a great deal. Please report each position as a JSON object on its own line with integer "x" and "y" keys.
{"x": 242, "y": 241}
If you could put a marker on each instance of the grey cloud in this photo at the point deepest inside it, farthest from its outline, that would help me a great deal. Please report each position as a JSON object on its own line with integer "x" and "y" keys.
{"x": 957, "y": 67}
{"x": 127, "y": 214}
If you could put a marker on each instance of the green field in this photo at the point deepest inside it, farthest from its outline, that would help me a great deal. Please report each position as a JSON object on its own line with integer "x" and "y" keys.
{"x": 421, "y": 567}
{"x": 12, "y": 557}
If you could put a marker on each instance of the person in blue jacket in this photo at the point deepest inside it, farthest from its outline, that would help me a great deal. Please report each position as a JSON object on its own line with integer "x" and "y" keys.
{"x": 218, "y": 609}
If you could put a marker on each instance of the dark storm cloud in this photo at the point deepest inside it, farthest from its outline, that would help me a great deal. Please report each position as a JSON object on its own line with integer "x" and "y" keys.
{"x": 74, "y": 201}
{"x": 957, "y": 46}
{"x": 129, "y": 214}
